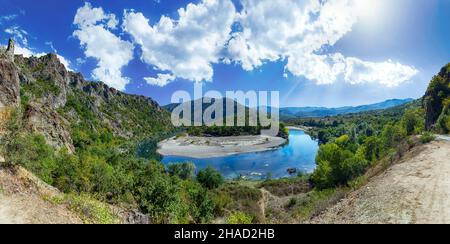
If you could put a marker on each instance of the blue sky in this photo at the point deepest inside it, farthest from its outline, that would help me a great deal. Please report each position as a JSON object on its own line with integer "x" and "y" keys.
{"x": 316, "y": 53}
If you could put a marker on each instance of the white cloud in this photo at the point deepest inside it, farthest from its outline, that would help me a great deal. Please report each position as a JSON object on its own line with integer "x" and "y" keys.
{"x": 6, "y": 18}
{"x": 299, "y": 31}
{"x": 161, "y": 80}
{"x": 111, "y": 52}
{"x": 65, "y": 62}
{"x": 19, "y": 34}
{"x": 186, "y": 47}
{"x": 387, "y": 73}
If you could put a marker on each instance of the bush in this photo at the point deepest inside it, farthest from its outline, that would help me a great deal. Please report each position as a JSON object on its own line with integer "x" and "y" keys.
{"x": 336, "y": 166}
{"x": 392, "y": 135}
{"x": 427, "y": 137}
{"x": 210, "y": 178}
{"x": 32, "y": 152}
{"x": 90, "y": 210}
{"x": 158, "y": 194}
{"x": 413, "y": 121}
{"x": 201, "y": 207}
{"x": 183, "y": 170}
{"x": 239, "y": 218}
{"x": 372, "y": 148}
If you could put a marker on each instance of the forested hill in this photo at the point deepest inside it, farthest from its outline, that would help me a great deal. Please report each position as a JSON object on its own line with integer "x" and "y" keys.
{"x": 307, "y": 112}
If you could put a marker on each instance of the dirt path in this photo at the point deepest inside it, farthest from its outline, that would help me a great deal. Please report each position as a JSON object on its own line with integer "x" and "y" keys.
{"x": 22, "y": 201}
{"x": 416, "y": 190}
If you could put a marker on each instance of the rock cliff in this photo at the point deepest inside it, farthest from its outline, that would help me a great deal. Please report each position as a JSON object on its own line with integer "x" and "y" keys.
{"x": 56, "y": 102}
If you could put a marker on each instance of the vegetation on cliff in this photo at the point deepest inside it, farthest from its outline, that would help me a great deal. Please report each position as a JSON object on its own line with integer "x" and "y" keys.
{"x": 437, "y": 102}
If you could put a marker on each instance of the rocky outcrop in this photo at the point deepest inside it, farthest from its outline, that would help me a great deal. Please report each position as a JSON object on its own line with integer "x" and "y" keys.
{"x": 56, "y": 100}
{"x": 53, "y": 126}
{"x": 9, "y": 78}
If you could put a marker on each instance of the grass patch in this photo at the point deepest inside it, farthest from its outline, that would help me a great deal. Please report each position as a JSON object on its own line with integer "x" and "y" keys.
{"x": 287, "y": 186}
{"x": 427, "y": 137}
{"x": 90, "y": 210}
{"x": 316, "y": 202}
{"x": 233, "y": 197}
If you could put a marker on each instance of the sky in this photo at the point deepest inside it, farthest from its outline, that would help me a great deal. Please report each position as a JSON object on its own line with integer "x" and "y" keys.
{"x": 314, "y": 52}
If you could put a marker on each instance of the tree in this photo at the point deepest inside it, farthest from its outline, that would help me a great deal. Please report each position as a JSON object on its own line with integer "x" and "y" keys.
{"x": 210, "y": 178}
{"x": 182, "y": 170}
{"x": 336, "y": 166}
{"x": 159, "y": 194}
{"x": 372, "y": 148}
{"x": 392, "y": 135}
{"x": 413, "y": 121}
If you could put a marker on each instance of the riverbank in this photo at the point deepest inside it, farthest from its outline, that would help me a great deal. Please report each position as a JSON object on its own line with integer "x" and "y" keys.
{"x": 211, "y": 147}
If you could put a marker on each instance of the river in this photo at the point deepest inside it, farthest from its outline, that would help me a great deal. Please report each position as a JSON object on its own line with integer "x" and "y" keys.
{"x": 298, "y": 154}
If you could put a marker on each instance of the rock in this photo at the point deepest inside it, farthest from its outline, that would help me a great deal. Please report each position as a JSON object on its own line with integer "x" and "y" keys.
{"x": 49, "y": 87}
{"x": 292, "y": 171}
{"x": 9, "y": 84}
{"x": 50, "y": 124}
{"x": 8, "y": 53}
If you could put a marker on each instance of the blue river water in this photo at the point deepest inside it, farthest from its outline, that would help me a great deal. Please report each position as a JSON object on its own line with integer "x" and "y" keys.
{"x": 300, "y": 154}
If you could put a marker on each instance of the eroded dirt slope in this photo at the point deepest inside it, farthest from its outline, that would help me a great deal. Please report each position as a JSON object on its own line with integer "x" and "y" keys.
{"x": 24, "y": 199}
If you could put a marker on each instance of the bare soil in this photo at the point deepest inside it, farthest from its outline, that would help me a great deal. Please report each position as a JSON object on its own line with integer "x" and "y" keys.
{"x": 24, "y": 199}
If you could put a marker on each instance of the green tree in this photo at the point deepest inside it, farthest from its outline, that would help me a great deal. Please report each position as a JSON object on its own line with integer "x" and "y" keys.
{"x": 413, "y": 121}
{"x": 372, "y": 148}
{"x": 392, "y": 135}
{"x": 336, "y": 166}
{"x": 183, "y": 170}
{"x": 210, "y": 178}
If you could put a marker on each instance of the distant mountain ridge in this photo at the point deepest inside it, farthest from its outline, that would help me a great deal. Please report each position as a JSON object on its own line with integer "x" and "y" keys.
{"x": 305, "y": 112}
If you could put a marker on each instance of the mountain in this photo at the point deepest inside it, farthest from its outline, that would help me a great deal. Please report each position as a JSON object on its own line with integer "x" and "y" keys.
{"x": 70, "y": 111}
{"x": 305, "y": 112}
{"x": 437, "y": 102}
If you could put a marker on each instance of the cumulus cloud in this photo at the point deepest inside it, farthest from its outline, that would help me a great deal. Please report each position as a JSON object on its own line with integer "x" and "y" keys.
{"x": 212, "y": 31}
{"x": 161, "y": 80}
{"x": 188, "y": 46}
{"x": 298, "y": 31}
{"x": 111, "y": 52}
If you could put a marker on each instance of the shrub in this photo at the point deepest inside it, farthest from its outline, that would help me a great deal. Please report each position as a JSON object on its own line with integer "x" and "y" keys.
{"x": 372, "y": 148}
{"x": 413, "y": 121}
{"x": 392, "y": 135}
{"x": 239, "y": 218}
{"x": 427, "y": 137}
{"x": 90, "y": 210}
{"x": 183, "y": 170}
{"x": 158, "y": 194}
{"x": 336, "y": 166}
{"x": 201, "y": 207}
{"x": 210, "y": 178}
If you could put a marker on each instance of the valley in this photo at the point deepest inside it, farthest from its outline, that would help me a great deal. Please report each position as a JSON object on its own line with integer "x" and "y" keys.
{"x": 96, "y": 149}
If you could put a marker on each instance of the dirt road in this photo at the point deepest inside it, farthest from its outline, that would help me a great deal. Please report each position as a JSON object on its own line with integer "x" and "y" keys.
{"x": 416, "y": 190}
